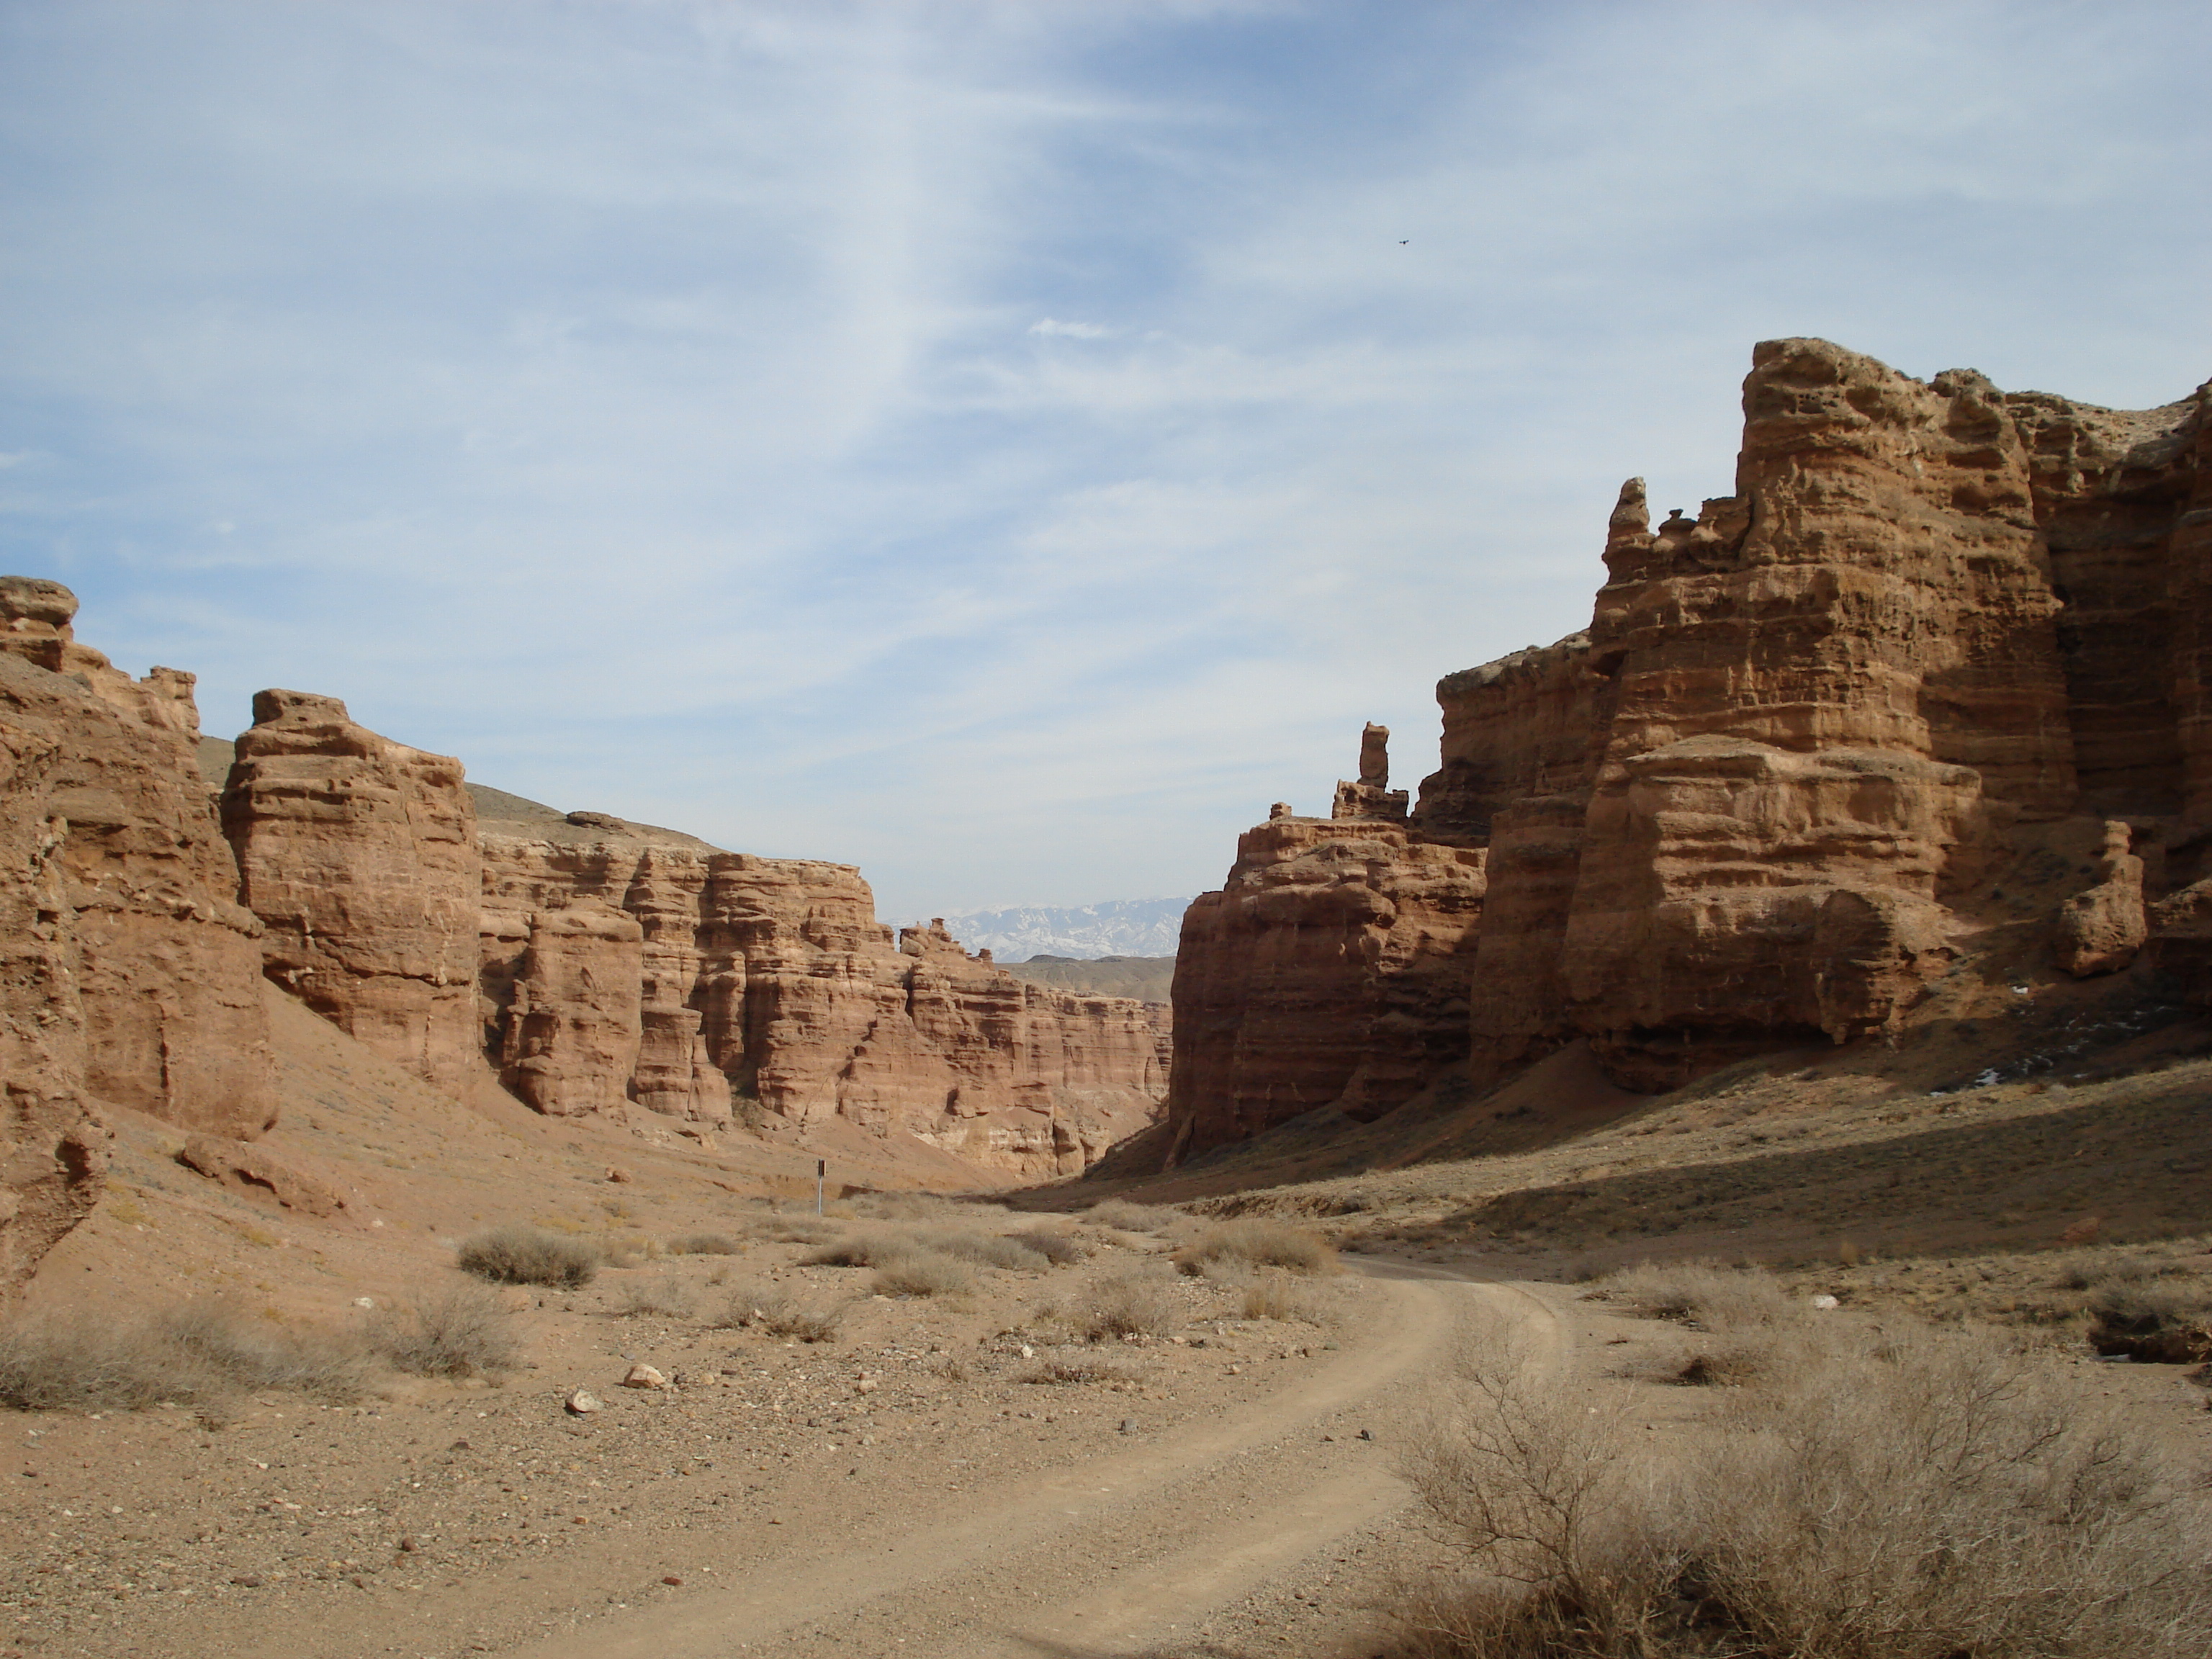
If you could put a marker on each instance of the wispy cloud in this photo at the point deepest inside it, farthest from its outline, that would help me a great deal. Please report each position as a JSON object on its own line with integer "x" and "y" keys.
{"x": 1007, "y": 446}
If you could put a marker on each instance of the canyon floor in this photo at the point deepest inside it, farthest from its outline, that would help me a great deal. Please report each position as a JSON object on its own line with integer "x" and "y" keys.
{"x": 965, "y": 1473}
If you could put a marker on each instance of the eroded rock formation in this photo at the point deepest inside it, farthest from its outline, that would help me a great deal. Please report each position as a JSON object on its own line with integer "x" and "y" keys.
{"x": 1744, "y": 806}
{"x": 129, "y": 973}
{"x": 359, "y": 855}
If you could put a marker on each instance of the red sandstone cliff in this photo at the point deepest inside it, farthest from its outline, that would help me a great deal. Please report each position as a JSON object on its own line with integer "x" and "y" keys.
{"x": 1744, "y": 806}
{"x": 128, "y": 972}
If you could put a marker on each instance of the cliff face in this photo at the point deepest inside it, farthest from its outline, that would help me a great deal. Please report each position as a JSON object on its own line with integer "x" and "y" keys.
{"x": 1740, "y": 809}
{"x": 128, "y": 973}
{"x": 359, "y": 856}
{"x": 770, "y": 981}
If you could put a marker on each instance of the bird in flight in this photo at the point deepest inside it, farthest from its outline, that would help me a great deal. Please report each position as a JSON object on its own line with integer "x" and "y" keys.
{"x": 1403, "y": 242}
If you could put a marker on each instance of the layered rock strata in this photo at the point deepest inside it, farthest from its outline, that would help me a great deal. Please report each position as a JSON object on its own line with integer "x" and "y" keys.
{"x": 359, "y": 855}
{"x": 768, "y": 984}
{"x": 129, "y": 973}
{"x": 1754, "y": 802}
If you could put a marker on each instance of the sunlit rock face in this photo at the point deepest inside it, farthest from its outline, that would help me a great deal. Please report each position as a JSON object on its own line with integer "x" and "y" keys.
{"x": 1757, "y": 801}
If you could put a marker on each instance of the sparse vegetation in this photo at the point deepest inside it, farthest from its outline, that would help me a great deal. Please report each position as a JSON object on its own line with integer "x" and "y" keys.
{"x": 1057, "y": 1248}
{"x": 2157, "y": 1321}
{"x": 1132, "y": 1217}
{"x": 1255, "y": 1243}
{"x": 1702, "y": 1293}
{"x": 922, "y": 1273}
{"x": 1907, "y": 1495}
{"x": 199, "y": 1352}
{"x": 1278, "y": 1296}
{"x": 462, "y": 1331}
{"x": 1126, "y": 1304}
{"x": 655, "y": 1298}
{"x": 1077, "y": 1370}
{"x": 868, "y": 1249}
{"x": 987, "y": 1250}
{"x": 774, "y": 1310}
{"x": 530, "y": 1255}
{"x": 704, "y": 1244}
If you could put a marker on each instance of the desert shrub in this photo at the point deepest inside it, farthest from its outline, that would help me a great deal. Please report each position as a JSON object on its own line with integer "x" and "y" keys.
{"x": 1910, "y": 1497}
{"x": 900, "y": 1207}
{"x": 1076, "y": 1370}
{"x": 1057, "y": 1248}
{"x": 1126, "y": 1304}
{"x": 775, "y": 1311}
{"x": 529, "y": 1255}
{"x": 868, "y": 1249}
{"x": 2157, "y": 1322}
{"x": 462, "y": 1331}
{"x": 1278, "y": 1296}
{"x": 1714, "y": 1297}
{"x": 922, "y": 1273}
{"x": 654, "y": 1298}
{"x": 1257, "y": 1244}
{"x": 704, "y": 1244}
{"x": 800, "y": 1230}
{"x": 1132, "y": 1217}
{"x": 987, "y": 1250}
{"x": 197, "y": 1352}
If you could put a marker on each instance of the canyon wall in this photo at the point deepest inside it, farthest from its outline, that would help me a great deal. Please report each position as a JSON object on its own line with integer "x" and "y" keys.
{"x": 1754, "y": 801}
{"x": 129, "y": 973}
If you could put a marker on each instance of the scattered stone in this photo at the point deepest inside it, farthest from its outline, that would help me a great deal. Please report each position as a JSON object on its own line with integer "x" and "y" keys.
{"x": 644, "y": 1376}
{"x": 1825, "y": 1300}
{"x": 583, "y": 1400}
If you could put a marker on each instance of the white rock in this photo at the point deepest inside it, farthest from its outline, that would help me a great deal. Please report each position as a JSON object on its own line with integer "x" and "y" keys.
{"x": 644, "y": 1376}
{"x": 582, "y": 1401}
{"x": 1825, "y": 1301}
{"x": 364, "y": 1302}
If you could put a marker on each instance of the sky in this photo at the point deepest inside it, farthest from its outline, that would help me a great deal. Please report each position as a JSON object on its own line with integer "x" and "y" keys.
{"x": 1004, "y": 446}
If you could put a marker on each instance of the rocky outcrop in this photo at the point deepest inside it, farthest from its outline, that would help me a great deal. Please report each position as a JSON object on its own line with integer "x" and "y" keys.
{"x": 1333, "y": 968}
{"x": 767, "y": 985}
{"x": 128, "y": 973}
{"x": 359, "y": 855}
{"x": 1755, "y": 801}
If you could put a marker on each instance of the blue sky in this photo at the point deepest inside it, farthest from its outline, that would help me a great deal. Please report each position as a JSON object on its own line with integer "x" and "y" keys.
{"x": 1002, "y": 446}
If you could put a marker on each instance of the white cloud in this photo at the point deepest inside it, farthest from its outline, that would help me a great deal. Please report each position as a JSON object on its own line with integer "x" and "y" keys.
{"x": 655, "y": 405}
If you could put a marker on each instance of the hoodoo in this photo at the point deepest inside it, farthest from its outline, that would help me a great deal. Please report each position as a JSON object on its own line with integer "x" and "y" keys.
{"x": 1935, "y": 626}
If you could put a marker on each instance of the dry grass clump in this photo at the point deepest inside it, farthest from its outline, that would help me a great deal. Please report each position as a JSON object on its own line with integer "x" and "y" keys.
{"x": 464, "y": 1331}
{"x": 1704, "y": 1293}
{"x": 1239, "y": 1244}
{"x": 922, "y": 1273}
{"x": 800, "y": 1230}
{"x": 655, "y": 1298}
{"x": 201, "y": 1351}
{"x": 1278, "y": 1295}
{"x": 903, "y": 1206}
{"x": 1078, "y": 1371}
{"x": 1922, "y": 1496}
{"x": 1057, "y": 1248}
{"x": 1126, "y": 1304}
{"x": 777, "y": 1312}
{"x": 1132, "y": 1217}
{"x": 987, "y": 1250}
{"x": 2153, "y": 1321}
{"x": 868, "y": 1249}
{"x": 530, "y": 1255}
{"x": 704, "y": 1244}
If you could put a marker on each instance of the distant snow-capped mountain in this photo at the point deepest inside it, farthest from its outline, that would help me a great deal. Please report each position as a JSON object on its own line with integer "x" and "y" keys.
{"x": 1119, "y": 928}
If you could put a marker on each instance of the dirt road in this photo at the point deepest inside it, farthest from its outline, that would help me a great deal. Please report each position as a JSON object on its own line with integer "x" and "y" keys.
{"x": 1121, "y": 1554}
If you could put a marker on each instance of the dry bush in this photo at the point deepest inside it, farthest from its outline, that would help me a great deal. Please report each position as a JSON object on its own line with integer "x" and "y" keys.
{"x": 1278, "y": 1296}
{"x": 1057, "y": 1248}
{"x": 529, "y": 1255}
{"x": 704, "y": 1244}
{"x": 985, "y": 1249}
{"x": 464, "y": 1331}
{"x": 1077, "y": 1370}
{"x": 922, "y": 1273}
{"x": 1917, "y": 1497}
{"x": 199, "y": 1352}
{"x": 1132, "y": 1217}
{"x": 868, "y": 1249}
{"x": 1236, "y": 1245}
{"x": 655, "y": 1298}
{"x": 2153, "y": 1321}
{"x": 800, "y": 1230}
{"x": 772, "y": 1310}
{"x": 1714, "y": 1297}
{"x": 901, "y": 1207}
{"x": 1126, "y": 1304}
